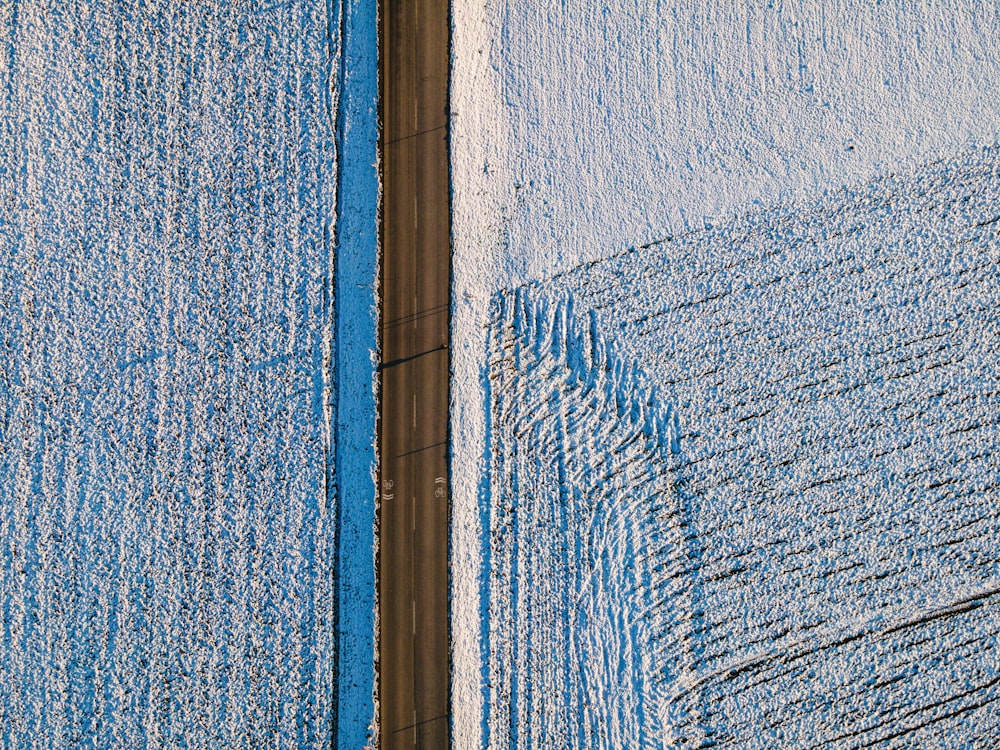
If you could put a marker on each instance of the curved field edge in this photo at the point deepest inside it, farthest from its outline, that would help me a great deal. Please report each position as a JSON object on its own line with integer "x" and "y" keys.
{"x": 833, "y": 371}
{"x": 586, "y": 539}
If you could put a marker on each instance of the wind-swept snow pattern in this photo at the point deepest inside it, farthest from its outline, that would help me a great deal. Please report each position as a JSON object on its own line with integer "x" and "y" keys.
{"x": 782, "y": 530}
{"x": 579, "y": 588}
{"x": 167, "y": 382}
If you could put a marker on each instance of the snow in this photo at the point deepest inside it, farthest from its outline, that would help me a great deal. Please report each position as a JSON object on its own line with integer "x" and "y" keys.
{"x": 590, "y": 134}
{"x": 576, "y": 592}
{"x": 355, "y": 367}
{"x": 174, "y": 389}
{"x": 817, "y": 527}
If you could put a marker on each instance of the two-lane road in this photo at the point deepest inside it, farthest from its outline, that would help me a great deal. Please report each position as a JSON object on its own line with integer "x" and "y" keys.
{"x": 413, "y": 433}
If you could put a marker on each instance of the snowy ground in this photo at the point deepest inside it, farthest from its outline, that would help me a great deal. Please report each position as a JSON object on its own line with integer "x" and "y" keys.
{"x": 767, "y": 514}
{"x": 170, "y": 401}
{"x": 771, "y": 521}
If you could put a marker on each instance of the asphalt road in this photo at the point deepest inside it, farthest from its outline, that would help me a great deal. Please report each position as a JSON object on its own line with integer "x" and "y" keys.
{"x": 415, "y": 297}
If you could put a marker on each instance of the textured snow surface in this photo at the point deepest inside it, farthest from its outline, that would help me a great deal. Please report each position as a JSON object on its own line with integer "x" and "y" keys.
{"x": 595, "y": 126}
{"x": 167, "y": 350}
{"x": 580, "y": 588}
{"x": 581, "y": 130}
{"x": 767, "y": 514}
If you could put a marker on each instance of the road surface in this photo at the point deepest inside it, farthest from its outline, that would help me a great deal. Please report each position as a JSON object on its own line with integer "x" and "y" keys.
{"x": 413, "y": 562}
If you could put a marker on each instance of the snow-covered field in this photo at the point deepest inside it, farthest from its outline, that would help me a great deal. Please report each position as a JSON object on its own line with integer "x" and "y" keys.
{"x": 172, "y": 383}
{"x": 725, "y": 358}
{"x": 766, "y": 515}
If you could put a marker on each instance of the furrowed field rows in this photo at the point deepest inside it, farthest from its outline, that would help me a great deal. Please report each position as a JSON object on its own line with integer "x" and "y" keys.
{"x": 791, "y": 420}
{"x": 167, "y": 195}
